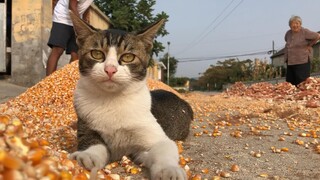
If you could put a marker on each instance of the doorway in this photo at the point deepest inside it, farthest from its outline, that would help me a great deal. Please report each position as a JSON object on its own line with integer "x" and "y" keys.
{"x": 5, "y": 36}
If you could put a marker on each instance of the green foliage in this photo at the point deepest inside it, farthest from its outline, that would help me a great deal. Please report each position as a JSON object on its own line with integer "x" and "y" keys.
{"x": 181, "y": 91}
{"x": 233, "y": 70}
{"x": 178, "y": 81}
{"x": 133, "y": 15}
{"x": 181, "y": 81}
{"x": 315, "y": 65}
{"x": 228, "y": 71}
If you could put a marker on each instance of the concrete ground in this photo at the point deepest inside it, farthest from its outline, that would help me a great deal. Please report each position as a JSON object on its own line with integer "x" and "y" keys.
{"x": 9, "y": 90}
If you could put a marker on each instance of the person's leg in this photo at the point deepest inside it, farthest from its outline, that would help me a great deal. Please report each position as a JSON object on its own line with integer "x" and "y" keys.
{"x": 290, "y": 74}
{"x": 302, "y": 72}
{"x": 53, "y": 59}
{"x": 58, "y": 40}
{"x": 74, "y": 56}
{"x": 72, "y": 47}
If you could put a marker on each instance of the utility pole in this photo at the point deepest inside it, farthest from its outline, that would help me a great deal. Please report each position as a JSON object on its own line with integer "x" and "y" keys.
{"x": 168, "y": 65}
{"x": 273, "y": 48}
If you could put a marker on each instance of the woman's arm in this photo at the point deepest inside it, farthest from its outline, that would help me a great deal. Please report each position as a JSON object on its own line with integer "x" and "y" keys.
{"x": 313, "y": 42}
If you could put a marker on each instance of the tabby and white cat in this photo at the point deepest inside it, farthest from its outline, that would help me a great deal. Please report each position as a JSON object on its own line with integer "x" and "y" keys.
{"x": 113, "y": 104}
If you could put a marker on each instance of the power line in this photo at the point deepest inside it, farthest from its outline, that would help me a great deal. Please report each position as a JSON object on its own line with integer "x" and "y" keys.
{"x": 212, "y": 22}
{"x": 193, "y": 43}
{"x": 221, "y": 21}
{"x": 186, "y": 60}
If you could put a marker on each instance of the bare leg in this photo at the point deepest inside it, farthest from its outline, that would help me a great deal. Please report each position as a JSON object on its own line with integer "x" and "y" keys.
{"x": 53, "y": 59}
{"x": 74, "y": 56}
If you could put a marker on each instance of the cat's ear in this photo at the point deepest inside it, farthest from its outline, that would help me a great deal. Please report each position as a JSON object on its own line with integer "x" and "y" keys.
{"x": 81, "y": 28}
{"x": 148, "y": 34}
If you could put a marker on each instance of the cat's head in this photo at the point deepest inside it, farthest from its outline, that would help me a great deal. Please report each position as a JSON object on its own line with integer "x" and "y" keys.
{"x": 113, "y": 59}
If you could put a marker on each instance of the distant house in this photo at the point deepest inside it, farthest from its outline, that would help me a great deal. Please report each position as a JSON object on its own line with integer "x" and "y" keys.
{"x": 277, "y": 59}
{"x": 155, "y": 72}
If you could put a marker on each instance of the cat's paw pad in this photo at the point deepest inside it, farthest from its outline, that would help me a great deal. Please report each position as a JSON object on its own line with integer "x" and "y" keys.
{"x": 88, "y": 160}
{"x": 169, "y": 172}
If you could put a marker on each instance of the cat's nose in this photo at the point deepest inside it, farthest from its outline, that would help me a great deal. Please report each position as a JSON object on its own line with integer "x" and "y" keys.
{"x": 110, "y": 70}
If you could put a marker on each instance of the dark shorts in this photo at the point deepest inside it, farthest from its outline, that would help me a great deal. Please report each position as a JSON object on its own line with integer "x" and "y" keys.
{"x": 298, "y": 73}
{"x": 63, "y": 35}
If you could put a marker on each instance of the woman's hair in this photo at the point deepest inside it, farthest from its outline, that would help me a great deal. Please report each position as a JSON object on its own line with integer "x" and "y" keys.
{"x": 295, "y": 18}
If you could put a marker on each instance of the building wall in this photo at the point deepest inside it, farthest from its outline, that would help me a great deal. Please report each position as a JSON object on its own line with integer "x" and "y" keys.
{"x": 278, "y": 61}
{"x": 97, "y": 18}
{"x": 31, "y": 20}
{"x": 155, "y": 72}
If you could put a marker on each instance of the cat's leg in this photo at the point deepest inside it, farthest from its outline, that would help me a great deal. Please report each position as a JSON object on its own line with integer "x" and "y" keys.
{"x": 95, "y": 157}
{"x": 163, "y": 161}
{"x": 92, "y": 151}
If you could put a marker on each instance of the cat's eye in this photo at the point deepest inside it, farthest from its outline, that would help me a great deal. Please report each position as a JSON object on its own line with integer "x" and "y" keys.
{"x": 127, "y": 57}
{"x": 97, "y": 54}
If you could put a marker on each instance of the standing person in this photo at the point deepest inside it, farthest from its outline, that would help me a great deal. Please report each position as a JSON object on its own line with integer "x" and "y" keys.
{"x": 299, "y": 42}
{"x": 62, "y": 36}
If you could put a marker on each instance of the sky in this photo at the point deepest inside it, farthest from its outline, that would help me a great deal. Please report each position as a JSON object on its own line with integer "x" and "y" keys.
{"x": 202, "y": 32}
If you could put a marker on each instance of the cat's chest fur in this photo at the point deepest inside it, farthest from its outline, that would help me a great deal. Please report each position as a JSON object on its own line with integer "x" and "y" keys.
{"x": 102, "y": 109}
{"x": 120, "y": 118}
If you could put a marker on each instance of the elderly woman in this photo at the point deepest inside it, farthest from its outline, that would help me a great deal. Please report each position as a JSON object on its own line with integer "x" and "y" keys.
{"x": 299, "y": 42}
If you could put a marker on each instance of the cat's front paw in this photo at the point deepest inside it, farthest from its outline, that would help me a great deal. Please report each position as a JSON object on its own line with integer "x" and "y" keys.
{"x": 169, "y": 172}
{"x": 88, "y": 160}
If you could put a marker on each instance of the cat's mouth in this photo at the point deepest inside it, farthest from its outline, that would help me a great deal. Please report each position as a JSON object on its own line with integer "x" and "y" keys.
{"x": 108, "y": 84}
{"x": 109, "y": 80}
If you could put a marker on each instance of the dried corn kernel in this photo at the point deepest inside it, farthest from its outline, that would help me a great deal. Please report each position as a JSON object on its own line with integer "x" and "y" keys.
{"x": 205, "y": 171}
{"x": 10, "y": 161}
{"x": 300, "y": 142}
{"x": 264, "y": 175}
{"x": 36, "y": 155}
{"x": 225, "y": 174}
{"x": 4, "y": 119}
{"x": 235, "y": 168}
{"x": 196, "y": 177}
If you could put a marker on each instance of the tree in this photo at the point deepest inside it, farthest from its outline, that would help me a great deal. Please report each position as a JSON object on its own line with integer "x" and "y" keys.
{"x": 215, "y": 77}
{"x": 178, "y": 81}
{"x": 173, "y": 66}
{"x": 227, "y": 71}
{"x": 133, "y": 15}
{"x": 233, "y": 70}
{"x": 315, "y": 65}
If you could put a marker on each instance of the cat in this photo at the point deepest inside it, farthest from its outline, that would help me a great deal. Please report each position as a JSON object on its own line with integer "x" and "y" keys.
{"x": 172, "y": 113}
{"x": 113, "y": 104}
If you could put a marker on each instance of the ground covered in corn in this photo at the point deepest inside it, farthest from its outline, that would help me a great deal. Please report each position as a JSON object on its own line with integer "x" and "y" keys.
{"x": 262, "y": 131}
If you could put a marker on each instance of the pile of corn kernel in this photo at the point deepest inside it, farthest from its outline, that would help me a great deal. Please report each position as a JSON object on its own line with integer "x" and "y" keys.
{"x": 36, "y": 133}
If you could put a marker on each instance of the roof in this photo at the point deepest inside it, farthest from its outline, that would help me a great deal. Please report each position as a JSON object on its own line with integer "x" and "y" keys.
{"x": 279, "y": 53}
